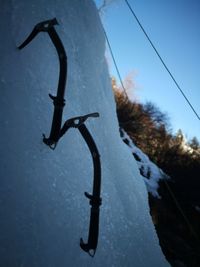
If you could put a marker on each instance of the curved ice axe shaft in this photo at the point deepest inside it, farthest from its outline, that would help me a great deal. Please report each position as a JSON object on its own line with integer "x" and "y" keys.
{"x": 58, "y": 100}
{"x": 95, "y": 199}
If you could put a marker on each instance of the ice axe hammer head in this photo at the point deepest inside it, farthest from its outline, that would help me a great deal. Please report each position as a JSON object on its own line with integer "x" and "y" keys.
{"x": 43, "y": 26}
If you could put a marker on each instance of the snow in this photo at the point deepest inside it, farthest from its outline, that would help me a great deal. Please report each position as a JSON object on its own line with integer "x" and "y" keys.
{"x": 151, "y": 173}
{"x": 43, "y": 209}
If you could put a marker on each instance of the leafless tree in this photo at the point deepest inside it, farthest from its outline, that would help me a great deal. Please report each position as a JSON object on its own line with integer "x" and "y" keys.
{"x": 105, "y": 4}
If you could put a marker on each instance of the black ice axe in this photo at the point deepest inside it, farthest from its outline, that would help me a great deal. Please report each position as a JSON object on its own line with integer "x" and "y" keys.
{"x": 95, "y": 199}
{"x": 58, "y": 100}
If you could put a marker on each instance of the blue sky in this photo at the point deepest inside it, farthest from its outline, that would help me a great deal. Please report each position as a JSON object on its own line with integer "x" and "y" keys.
{"x": 174, "y": 28}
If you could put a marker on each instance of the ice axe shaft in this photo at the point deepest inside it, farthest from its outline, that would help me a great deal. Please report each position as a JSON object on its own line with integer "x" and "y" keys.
{"x": 58, "y": 100}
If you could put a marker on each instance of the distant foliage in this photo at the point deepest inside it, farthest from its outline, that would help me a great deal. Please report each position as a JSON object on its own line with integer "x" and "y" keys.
{"x": 150, "y": 129}
{"x": 146, "y": 125}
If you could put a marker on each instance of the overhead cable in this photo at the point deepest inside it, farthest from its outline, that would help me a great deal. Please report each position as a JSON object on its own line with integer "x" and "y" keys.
{"x": 116, "y": 67}
{"x": 161, "y": 59}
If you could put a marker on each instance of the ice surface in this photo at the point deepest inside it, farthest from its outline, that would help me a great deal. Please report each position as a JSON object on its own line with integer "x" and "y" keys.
{"x": 43, "y": 210}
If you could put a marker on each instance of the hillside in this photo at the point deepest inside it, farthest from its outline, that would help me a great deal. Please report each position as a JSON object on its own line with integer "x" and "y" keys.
{"x": 173, "y": 186}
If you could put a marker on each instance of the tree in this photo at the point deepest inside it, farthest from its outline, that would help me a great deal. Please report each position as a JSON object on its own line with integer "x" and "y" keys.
{"x": 105, "y": 4}
{"x": 194, "y": 143}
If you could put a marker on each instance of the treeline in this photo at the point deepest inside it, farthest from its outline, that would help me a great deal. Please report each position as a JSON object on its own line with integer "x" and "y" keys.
{"x": 149, "y": 128}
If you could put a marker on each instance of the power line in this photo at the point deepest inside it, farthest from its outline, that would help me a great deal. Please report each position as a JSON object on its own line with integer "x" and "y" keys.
{"x": 161, "y": 59}
{"x": 119, "y": 75}
{"x": 114, "y": 61}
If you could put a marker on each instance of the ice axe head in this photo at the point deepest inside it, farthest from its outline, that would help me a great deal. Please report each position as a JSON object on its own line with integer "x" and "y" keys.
{"x": 43, "y": 26}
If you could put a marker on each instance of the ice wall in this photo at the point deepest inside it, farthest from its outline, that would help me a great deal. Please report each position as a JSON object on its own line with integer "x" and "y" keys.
{"x": 43, "y": 209}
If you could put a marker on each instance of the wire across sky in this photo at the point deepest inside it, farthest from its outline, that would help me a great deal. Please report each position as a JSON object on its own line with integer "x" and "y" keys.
{"x": 161, "y": 59}
{"x": 170, "y": 79}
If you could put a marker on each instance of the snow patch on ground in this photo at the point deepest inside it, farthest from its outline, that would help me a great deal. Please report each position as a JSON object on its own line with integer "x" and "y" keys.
{"x": 151, "y": 173}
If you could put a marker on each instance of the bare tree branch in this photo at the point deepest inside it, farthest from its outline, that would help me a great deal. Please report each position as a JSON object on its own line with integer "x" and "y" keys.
{"x": 105, "y": 4}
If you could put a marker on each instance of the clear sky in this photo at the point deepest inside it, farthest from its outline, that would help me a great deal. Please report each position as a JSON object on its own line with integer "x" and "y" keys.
{"x": 174, "y": 28}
